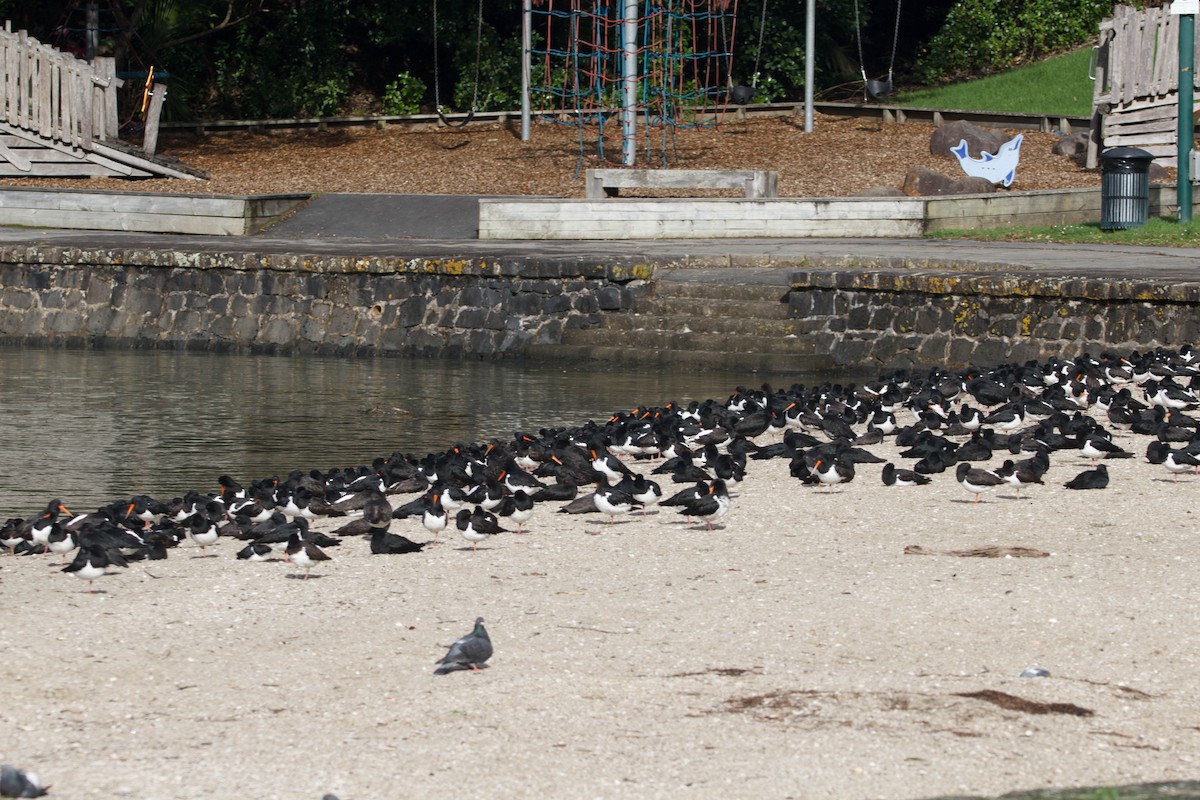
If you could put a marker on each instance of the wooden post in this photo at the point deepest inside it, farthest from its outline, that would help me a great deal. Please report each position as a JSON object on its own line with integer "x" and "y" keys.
{"x": 150, "y": 139}
{"x": 106, "y": 70}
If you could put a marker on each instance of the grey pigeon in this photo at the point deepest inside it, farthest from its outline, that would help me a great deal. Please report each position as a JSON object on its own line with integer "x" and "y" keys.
{"x": 15, "y": 783}
{"x": 469, "y": 652}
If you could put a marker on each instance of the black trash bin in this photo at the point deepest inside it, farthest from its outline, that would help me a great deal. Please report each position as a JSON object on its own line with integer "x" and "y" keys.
{"x": 1124, "y": 188}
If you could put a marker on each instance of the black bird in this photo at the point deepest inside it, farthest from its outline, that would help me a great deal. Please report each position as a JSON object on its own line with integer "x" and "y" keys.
{"x": 385, "y": 543}
{"x": 1090, "y": 479}
{"x": 1020, "y": 473}
{"x": 975, "y": 480}
{"x": 469, "y": 652}
{"x": 564, "y": 489}
{"x": 377, "y": 514}
{"x": 303, "y": 553}
{"x": 476, "y": 525}
{"x": 255, "y": 551}
{"x": 902, "y": 477}
{"x": 709, "y": 506}
{"x": 91, "y": 561}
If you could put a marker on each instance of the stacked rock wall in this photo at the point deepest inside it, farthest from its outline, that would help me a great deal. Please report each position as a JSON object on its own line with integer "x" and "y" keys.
{"x": 904, "y": 318}
{"x": 442, "y": 307}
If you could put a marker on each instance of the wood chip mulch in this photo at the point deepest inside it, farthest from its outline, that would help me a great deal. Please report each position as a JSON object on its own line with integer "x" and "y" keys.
{"x": 840, "y": 157}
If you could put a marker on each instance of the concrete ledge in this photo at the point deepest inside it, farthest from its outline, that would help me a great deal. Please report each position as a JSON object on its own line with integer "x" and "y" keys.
{"x": 891, "y": 217}
{"x": 618, "y": 270}
{"x": 144, "y": 212}
{"x": 952, "y": 281}
{"x": 715, "y": 218}
{"x": 753, "y": 183}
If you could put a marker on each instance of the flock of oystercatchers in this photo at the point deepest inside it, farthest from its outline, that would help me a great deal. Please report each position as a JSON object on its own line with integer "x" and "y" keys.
{"x": 942, "y": 420}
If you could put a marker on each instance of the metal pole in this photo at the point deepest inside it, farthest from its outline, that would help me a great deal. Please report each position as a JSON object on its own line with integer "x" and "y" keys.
{"x": 810, "y": 26}
{"x": 1186, "y": 9}
{"x": 526, "y": 46}
{"x": 629, "y": 84}
{"x": 92, "y": 43}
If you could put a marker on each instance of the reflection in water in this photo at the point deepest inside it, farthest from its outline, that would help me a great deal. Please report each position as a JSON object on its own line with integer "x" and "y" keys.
{"x": 94, "y": 426}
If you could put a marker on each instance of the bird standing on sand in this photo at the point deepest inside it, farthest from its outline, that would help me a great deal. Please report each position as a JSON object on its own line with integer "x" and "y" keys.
{"x": 477, "y": 525}
{"x": 202, "y": 531}
{"x": 303, "y": 553}
{"x": 469, "y": 652}
{"x": 612, "y": 501}
{"x": 91, "y": 561}
{"x": 712, "y": 504}
{"x": 975, "y": 480}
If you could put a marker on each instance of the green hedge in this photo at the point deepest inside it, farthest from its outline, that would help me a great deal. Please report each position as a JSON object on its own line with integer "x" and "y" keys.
{"x": 984, "y": 36}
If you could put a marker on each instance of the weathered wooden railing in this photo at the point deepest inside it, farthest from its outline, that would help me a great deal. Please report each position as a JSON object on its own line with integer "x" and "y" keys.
{"x": 54, "y": 95}
{"x": 1135, "y": 101}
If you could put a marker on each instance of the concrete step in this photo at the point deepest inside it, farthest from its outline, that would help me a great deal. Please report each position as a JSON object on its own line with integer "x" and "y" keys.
{"x": 680, "y": 323}
{"x": 715, "y": 360}
{"x": 676, "y": 341}
{"x": 710, "y": 307}
{"x": 720, "y": 291}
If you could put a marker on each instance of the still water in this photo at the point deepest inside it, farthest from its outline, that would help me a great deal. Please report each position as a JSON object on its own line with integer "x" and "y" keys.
{"x": 92, "y": 426}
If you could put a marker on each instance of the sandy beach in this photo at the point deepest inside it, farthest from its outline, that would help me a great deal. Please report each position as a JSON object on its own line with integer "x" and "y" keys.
{"x": 797, "y": 650}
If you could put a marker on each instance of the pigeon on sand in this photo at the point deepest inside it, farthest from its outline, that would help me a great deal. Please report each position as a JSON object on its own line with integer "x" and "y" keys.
{"x": 17, "y": 783}
{"x": 469, "y": 652}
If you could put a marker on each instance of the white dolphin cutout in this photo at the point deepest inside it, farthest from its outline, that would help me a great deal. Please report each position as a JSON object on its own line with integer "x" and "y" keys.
{"x": 999, "y": 168}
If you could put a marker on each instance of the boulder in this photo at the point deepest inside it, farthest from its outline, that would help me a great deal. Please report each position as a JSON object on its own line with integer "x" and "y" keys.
{"x": 979, "y": 140}
{"x": 924, "y": 182}
{"x": 1074, "y": 145}
{"x": 1159, "y": 174}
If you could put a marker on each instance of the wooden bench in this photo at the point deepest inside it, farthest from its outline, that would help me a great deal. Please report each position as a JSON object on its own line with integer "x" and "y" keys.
{"x": 754, "y": 182}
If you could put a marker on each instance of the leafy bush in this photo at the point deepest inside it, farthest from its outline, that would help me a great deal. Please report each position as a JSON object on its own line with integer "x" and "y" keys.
{"x": 982, "y": 36}
{"x": 403, "y": 95}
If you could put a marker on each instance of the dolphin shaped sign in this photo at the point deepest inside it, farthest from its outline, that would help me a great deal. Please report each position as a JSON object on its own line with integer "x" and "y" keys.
{"x": 999, "y": 168}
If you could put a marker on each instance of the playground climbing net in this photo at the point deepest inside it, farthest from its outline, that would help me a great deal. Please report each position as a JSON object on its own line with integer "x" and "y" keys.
{"x": 684, "y": 52}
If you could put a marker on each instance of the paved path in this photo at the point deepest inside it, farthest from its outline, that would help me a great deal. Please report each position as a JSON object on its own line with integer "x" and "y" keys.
{"x": 441, "y": 226}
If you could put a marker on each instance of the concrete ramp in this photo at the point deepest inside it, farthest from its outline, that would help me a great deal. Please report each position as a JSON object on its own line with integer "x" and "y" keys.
{"x": 382, "y": 217}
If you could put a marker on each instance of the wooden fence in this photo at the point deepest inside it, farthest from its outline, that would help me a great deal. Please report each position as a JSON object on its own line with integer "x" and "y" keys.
{"x": 1136, "y": 100}
{"x": 55, "y": 95}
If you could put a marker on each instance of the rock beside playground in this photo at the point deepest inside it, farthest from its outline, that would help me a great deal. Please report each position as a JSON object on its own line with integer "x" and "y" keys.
{"x": 979, "y": 140}
{"x": 925, "y": 182}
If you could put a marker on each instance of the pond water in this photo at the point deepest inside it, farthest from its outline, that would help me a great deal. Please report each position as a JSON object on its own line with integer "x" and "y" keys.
{"x": 92, "y": 426}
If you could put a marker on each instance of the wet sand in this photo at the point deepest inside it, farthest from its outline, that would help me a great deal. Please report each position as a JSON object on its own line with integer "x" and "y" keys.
{"x": 794, "y": 651}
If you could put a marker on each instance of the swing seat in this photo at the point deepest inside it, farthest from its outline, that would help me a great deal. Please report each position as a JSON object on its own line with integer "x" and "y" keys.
{"x": 878, "y": 90}
{"x": 741, "y": 94}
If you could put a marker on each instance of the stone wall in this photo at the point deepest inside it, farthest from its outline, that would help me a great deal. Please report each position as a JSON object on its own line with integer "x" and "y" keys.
{"x": 889, "y": 319}
{"x": 302, "y": 304}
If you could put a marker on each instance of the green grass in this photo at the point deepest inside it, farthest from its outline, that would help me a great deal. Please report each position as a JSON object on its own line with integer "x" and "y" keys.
{"x": 1157, "y": 232}
{"x": 1058, "y": 85}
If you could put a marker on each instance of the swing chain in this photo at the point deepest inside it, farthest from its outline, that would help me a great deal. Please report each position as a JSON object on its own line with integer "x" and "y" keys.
{"x": 762, "y": 27}
{"x": 862, "y": 64}
{"x": 437, "y": 97}
{"x": 895, "y": 40}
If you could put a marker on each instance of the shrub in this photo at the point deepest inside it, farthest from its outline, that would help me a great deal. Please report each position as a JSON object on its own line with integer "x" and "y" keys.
{"x": 403, "y": 96}
{"x": 982, "y": 36}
